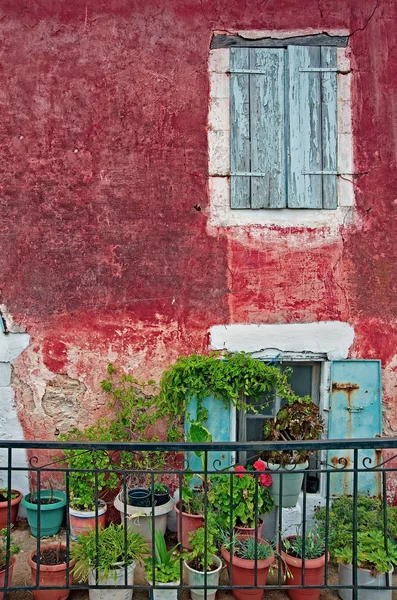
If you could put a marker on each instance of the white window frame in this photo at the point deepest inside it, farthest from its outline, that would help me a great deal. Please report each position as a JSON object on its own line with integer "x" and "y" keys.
{"x": 220, "y": 213}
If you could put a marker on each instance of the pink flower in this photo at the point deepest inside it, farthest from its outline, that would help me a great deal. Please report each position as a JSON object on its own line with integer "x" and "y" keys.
{"x": 259, "y": 465}
{"x": 240, "y": 471}
{"x": 265, "y": 480}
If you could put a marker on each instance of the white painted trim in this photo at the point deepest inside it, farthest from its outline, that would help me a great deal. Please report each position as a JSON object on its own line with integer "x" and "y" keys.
{"x": 220, "y": 213}
{"x": 11, "y": 346}
{"x": 331, "y": 338}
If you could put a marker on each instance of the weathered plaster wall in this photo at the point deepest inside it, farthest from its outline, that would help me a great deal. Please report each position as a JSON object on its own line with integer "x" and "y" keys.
{"x": 104, "y": 196}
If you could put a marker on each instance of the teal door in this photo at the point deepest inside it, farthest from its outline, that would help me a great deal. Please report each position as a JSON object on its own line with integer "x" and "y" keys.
{"x": 355, "y": 412}
{"x": 219, "y": 423}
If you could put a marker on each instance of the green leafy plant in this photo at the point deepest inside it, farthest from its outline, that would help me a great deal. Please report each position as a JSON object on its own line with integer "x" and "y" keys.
{"x": 82, "y": 483}
{"x": 193, "y": 491}
{"x": 4, "y": 495}
{"x": 229, "y": 377}
{"x": 246, "y": 547}
{"x": 138, "y": 409}
{"x": 160, "y": 488}
{"x": 166, "y": 562}
{"x": 298, "y": 420}
{"x": 203, "y": 546}
{"x": 112, "y": 549}
{"x": 371, "y": 552}
{"x": 310, "y": 546}
{"x": 239, "y": 502}
{"x": 14, "y": 548}
{"x": 370, "y": 516}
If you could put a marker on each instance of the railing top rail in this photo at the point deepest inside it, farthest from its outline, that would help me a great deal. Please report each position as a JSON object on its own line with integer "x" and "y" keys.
{"x": 326, "y": 444}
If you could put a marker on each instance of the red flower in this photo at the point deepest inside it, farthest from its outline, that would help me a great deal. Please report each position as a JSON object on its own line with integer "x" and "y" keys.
{"x": 265, "y": 480}
{"x": 259, "y": 465}
{"x": 240, "y": 471}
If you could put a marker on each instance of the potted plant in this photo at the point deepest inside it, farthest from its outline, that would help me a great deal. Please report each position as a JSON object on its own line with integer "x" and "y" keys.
{"x": 375, "y": 545}
{"x": 240, "y": 502}
{"x": 250, "y": 559}
{"x": 13, "y": 497}
{"x": 115, "y": 554}
{"x": 304, "y": 557}
{"x": 374, "y": 561}
{"x": 85, "y": 507}
{"x": 190, "y": 509}
{"x": 298, "y": 420}
{"x": 54, "y": 570}
{"x": 164, "y": 569}
{"x": 202, "y": 565}
{"x": 4, "y": 564}
{"x": 51, "y": 504}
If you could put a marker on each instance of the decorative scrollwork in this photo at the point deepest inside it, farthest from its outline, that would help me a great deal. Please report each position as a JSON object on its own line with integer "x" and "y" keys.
{"x": 34, "y": 461}
{"x": 217, "y": 465}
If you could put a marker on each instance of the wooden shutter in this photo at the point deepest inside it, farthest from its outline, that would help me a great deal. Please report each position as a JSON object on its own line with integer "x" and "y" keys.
{"x": 312, "y": 127}
{"x": 283, "y": 127}
{"x": 257, "y": 124}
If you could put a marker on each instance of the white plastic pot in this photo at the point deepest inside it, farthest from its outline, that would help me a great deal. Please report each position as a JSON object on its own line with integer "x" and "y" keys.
{"x": 116, "y": 577}
{"x": 292, "y": 483}
{"x": 164, "y": 594}
{"x": 196, "y": 578}
{"x": 364, "y": 577}
{"x": 140, "y": 519}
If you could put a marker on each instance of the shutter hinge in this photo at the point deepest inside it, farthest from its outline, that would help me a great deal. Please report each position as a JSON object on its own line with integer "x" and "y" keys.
{"x": 319, "y": 70}
{"x": 321, "y": 173}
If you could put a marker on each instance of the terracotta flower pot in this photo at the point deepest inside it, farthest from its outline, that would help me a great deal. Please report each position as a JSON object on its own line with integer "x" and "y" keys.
{"x": 314, "y": 575}
{"x": 249, "y": 531}
{"x": 189, "y": 523}
{"x": 82, "y": 521}
{"x": 50, "y": 575}
{"x": 3, "y": 575}
{"x": 14, "y": 510}
{"x": 243, "y": 573}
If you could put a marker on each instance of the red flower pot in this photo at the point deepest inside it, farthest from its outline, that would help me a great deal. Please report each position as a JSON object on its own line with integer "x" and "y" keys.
{"x": 50, "y": 575}
{"x": 249, "y": 531}
{"x": 243, "y": 573}
{"x": 10, "y": 572}
{"x": 314, "y": 575}
{"x": 189, "y": 523}
{"x": 14, "y": 510}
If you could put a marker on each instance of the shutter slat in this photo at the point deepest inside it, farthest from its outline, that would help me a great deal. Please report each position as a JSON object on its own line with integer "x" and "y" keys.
{"x": 304, "y": 191}
{"x": 240, "y": 187}
{"x": 267, "y": 128}
{"x": 329, "y": 126}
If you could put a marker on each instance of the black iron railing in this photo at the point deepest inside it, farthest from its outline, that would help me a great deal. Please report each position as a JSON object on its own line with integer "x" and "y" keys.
{"x": 354, "y": 468}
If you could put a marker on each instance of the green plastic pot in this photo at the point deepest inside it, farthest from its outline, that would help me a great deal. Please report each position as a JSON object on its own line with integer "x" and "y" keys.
{"x": 51, "y": 515}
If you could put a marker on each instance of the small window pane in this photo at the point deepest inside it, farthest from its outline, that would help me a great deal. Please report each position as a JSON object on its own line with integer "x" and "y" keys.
{"x": 301, "y": 379}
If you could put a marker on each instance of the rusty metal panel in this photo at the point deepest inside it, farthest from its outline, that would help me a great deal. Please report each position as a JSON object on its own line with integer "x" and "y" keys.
{"x": 355, "y": 412}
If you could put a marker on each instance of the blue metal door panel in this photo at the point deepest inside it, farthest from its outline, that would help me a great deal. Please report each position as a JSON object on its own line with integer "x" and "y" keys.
{"x": 219, "y": 424}
{"x": 355, "y": 412}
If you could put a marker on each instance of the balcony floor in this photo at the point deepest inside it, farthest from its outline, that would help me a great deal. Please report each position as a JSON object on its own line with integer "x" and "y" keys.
{"x": 22, "y": 575}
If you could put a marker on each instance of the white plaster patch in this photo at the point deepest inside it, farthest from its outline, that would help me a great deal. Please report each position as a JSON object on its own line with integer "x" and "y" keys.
{"x": 12, "y": 344}
{"x": 10, "y": 429}
{"x": 254, "y": 34}
{"x": 220, "y": 213}
{"x": 5, "y": 374}
{"x": 330, "y": 338}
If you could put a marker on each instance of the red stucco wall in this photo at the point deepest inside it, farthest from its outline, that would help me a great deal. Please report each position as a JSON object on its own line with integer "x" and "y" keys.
{"x": 104, "y": 155}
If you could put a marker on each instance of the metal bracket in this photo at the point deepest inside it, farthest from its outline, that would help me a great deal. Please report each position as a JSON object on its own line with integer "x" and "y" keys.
{"x": 321, "y": 173}
{"x": 355, "y": 410}
{"x": 319, "y": 70}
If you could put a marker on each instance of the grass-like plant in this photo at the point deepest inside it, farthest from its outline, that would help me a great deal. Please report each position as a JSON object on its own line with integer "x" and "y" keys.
{"x": 311, "y": 546}
{"x": 113, "y": 551}
{"x": 166, "y": 563}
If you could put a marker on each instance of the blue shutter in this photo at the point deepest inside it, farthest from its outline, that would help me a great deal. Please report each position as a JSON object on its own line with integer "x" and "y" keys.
{"x": 257, "y": 124}
{"x": 219, "y": 424}
{"x": 355, "y": 412}
{"x": 283, "y": 127}
{"x": 312, "y": 127}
